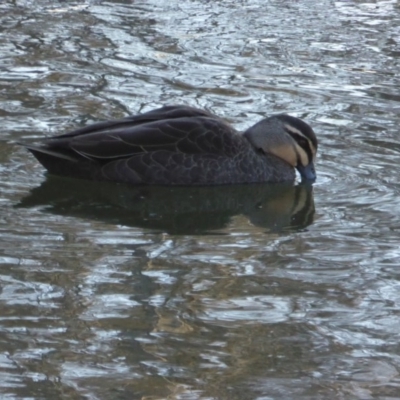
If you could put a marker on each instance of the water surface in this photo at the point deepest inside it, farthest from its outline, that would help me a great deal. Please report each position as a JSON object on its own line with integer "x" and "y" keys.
{"x": 261, "y": 292}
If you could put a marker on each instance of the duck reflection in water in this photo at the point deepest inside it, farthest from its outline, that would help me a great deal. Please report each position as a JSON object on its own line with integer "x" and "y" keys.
{"x": 178, "y": 210}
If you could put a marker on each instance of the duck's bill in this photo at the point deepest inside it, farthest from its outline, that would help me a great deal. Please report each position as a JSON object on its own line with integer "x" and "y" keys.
{"x": 307, "y": 172}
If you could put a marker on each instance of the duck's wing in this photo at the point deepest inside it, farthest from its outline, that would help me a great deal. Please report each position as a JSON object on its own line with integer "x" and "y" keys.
{"x": 159, "y": 114}
{"x": 194, "y": 134}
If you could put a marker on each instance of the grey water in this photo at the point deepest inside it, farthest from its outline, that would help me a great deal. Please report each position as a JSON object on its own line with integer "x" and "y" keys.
{"x": 245, "y": 292}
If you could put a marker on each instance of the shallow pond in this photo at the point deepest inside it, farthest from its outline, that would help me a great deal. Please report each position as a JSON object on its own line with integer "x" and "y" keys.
{"x": 245, "y": 292}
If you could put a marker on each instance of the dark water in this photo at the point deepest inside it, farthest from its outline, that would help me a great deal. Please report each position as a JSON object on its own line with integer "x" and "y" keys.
{"x": 261, "y": 292}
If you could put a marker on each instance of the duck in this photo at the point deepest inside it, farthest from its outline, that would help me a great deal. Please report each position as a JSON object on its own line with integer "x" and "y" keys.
{"x": 182, "y": 145}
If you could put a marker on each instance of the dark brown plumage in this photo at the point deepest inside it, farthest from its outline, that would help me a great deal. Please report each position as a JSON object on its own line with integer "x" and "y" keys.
{"x": 179, "y": 145}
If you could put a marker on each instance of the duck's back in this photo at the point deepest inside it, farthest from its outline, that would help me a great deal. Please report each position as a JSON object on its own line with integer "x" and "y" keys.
{"x": 169, "y": 146}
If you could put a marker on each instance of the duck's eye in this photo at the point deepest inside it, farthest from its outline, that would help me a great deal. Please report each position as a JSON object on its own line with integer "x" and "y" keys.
{"x": 299, "y": 138}
{"x": 305, "y": 145}
{"x": 302, "y": 142}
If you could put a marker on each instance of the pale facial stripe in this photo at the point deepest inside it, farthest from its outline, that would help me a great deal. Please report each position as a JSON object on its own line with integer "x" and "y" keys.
{"x": 310, "y": 151}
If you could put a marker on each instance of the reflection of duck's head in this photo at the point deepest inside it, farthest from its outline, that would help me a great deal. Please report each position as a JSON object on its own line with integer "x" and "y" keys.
{"x": 180, "y": 145}
{"x": 288, "y": 138}
{"x": 286, "y": 208}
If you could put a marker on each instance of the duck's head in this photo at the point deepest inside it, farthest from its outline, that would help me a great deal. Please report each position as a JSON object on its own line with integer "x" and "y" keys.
{"x": 288, "y": 138}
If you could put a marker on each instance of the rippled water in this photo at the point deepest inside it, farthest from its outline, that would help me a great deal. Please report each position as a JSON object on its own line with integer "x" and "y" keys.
{"x": 254, "y": 292}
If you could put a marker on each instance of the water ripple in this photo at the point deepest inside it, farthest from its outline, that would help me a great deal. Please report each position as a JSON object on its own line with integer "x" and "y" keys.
{"x": 110, "y": 292}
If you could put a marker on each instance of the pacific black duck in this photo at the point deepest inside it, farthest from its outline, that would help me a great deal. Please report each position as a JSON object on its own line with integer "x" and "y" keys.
{"x": 180, "y": 145}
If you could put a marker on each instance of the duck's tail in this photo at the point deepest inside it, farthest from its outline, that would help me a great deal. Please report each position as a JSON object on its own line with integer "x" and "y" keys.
{"x": 43, "y": 151}
{"x": 61, "y": 162}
